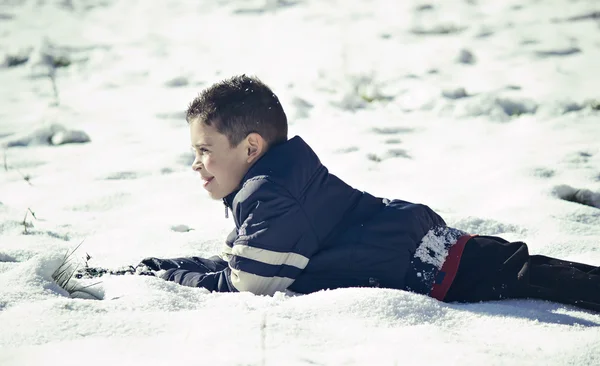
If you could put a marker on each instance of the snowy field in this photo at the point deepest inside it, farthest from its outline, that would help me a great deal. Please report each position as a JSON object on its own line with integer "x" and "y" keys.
{"x": 487, "y": 111}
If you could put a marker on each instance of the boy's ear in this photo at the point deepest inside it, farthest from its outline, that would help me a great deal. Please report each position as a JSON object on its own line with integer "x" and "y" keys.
{"x": 255, "y": 146}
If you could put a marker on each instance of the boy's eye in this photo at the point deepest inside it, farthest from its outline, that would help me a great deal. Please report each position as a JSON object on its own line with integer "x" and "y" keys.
{"x": 201, "y": 150}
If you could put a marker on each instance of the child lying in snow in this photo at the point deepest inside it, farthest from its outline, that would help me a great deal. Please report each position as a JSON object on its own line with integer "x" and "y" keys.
{"x": 300, "y": 228}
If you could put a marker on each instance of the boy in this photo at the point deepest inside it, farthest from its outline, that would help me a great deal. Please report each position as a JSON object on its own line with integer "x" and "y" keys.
{"x": 300, "y": 228}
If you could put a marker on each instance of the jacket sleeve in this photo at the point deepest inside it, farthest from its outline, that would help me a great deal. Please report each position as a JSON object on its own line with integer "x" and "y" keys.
{"x": 273, "y": 245}
{"x": 275, "y": 240}
{"x": 212, "y": 274}
{"x": 212, "y": 281}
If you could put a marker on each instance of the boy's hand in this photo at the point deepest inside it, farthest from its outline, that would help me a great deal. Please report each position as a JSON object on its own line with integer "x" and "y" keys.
{"x": 150, "y": 264}
{"x": 144, "y": 270}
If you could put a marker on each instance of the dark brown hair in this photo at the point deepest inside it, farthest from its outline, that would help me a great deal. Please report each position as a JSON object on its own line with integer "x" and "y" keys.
{"x": 239, "y": 106}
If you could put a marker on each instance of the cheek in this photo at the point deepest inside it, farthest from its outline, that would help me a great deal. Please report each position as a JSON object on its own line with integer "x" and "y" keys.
{"x": 207, "y": 162}
{"x": 215, "y": 167}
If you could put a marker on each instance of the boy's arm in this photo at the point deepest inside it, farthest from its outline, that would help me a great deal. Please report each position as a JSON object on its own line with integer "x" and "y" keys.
{"x": 211, "y": 273}
{"x": 275, "y": 240}
{"x": 274, "y": 244}
{"x": 212, "y": 281}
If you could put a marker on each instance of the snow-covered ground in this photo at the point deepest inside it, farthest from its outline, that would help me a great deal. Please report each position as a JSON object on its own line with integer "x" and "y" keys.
{"x": 488, "y": 111}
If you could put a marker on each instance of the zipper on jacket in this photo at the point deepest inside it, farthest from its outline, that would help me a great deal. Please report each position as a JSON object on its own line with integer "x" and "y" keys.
{"x": 226, "y": 209}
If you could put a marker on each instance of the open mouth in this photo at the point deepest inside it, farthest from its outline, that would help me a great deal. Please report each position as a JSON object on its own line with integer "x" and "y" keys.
{"x": 207, "y": 181}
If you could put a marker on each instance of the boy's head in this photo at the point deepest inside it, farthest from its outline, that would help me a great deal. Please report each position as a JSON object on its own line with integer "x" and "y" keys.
{"x": 232, "y": 124}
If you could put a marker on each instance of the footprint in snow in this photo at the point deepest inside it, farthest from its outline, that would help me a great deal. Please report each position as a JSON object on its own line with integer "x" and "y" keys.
{"x": 391, "y": 130}
{"x": 580, "y": 157}
{"x": 398, "y": 153}
{"x": 424, "y": 7}
{"x": 391, "y": 153}
{"x": 582, "y": 196}
{"x": 122, "y": 176}
{"x": 52, "y": 234}
{"x": 484, "y": 33}
{"x": 528, "y": 41}
{"x": 543, "y": 172}
{"x": 280, "y": 4}
{"x": 439, "y": 29}
{"x": 374, "y": 158}
{"x": 302, "y": 108}
{"x": 558, "y": 52}
{"x": 347, "y": 150}
{"x": 594, "y": 15}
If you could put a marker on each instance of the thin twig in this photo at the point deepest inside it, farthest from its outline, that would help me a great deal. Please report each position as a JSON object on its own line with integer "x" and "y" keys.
{"x": 32, "y": 213}
{"x": 26, "y": 178}
{"x": 25, "y": 223}
{"x": 77, "y": 247}
{"x": 52, "y": 76}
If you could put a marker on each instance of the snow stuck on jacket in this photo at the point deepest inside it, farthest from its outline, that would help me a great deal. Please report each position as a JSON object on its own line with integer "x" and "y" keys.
{"x": 434, "y": 246}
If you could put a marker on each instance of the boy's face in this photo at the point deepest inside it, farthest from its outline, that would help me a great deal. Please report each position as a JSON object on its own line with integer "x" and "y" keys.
{"x": 221, "y": 166}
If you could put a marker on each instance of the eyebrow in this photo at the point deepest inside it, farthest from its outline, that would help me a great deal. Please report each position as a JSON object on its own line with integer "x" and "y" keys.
{"x": 201, "y": 145}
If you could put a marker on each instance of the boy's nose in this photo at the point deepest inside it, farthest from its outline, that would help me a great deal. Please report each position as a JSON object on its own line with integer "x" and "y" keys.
{"x": 196, "y": 166}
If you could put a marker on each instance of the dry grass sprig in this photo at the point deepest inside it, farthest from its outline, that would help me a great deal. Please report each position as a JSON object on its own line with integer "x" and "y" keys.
{"x": 63, "y": 276}
{"x": 25, "y": 177}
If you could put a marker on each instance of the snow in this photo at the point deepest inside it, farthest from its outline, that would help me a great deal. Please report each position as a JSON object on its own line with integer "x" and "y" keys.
{"x": 433, "y": 248}
{"x": 486, "y": 111}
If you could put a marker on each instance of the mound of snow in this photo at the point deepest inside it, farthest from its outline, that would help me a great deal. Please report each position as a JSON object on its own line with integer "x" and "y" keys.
{"x": 495, "y": 107}
{"x": 53, "y": 135}
{"x": 582, "y": 196}
{"x": 477, "y": 225}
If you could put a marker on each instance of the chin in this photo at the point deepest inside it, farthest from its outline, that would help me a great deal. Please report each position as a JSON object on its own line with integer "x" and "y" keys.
{"x": 216, "y": 197}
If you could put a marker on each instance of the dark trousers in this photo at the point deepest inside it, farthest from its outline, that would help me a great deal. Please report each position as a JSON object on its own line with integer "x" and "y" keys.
{"x": 492, "y": 268}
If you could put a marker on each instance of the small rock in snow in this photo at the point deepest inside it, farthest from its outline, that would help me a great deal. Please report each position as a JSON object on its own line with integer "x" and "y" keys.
{"x": 177, "y": 82}
{"x": 69, "y": 137}
{"x": 455, "y": 93}
{"x": 181, "y": 228}
{"x": 17, "y": 58}
{"x": 466, "y": 57}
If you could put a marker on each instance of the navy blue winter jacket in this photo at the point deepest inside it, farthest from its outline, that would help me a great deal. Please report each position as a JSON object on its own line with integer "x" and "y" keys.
{"x": 298, "y": 227}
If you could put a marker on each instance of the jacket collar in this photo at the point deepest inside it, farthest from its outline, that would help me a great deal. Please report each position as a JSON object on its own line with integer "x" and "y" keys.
{"x": 277, "y": 161}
